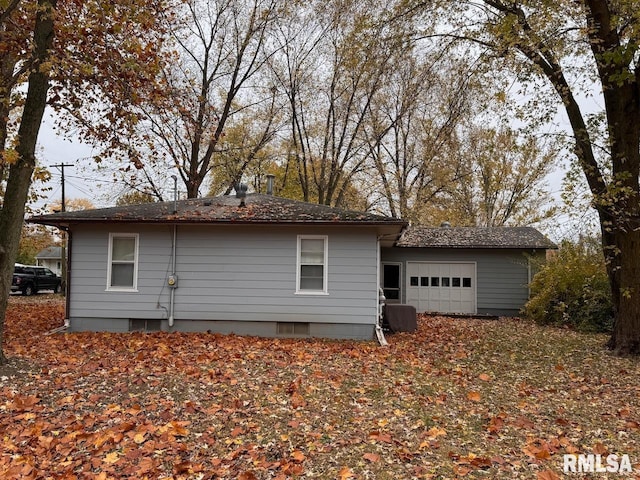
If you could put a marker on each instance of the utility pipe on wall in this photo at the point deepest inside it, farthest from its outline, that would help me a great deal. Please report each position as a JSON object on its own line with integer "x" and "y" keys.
{"x": 173, "y": 278}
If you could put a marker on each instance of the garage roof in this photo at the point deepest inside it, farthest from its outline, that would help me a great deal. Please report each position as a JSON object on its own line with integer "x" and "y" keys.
{"x": 475, "y": 237}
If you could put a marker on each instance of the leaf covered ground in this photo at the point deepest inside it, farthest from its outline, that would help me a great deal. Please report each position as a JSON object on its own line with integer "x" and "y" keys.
{"x": 460, "y": 398}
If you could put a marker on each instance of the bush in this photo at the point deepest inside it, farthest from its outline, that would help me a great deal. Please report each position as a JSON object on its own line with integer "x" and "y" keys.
{"x": 572, "y": 289}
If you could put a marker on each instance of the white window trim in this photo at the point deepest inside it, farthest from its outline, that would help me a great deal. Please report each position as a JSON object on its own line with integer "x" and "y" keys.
{"x": 133, "y": 288}
{"x": 325, "y": 270}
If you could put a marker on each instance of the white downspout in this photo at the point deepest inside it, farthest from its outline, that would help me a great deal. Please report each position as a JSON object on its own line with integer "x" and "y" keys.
{"x": 380, "y": 298}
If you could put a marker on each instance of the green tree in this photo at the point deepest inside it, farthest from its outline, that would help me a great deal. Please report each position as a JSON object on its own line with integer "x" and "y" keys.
{"x": 572, "y": 289}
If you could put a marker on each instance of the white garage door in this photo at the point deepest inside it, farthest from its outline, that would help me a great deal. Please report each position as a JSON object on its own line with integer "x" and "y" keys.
{"x": 442, "y": 287}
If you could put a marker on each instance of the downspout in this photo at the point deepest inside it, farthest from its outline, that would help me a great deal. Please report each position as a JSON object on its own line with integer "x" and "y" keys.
{"x": 380, "y": 297}
{"x": 173, "y": 279}
{"x": 172, "y": 286}
{"x": 67, "y": 286}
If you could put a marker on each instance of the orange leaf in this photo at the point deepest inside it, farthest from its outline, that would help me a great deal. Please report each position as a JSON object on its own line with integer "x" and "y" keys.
{"x": 297, "y": 400}
{"x": 298, "y": 456}
{"x": 345, "y": 473}
{"x": 371, "y": 457}
{"x": 547, "y": 475}
{"x": 474, "y": 396}
{"x": 484, "y": 377}
{"x": 600, "y": 449}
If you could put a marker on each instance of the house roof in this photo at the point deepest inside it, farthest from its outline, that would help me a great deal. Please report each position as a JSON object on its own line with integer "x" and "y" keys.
{"x": 259, "y": 210}
{"x": 50, "y": 252}
{"x": 475, "y": 237}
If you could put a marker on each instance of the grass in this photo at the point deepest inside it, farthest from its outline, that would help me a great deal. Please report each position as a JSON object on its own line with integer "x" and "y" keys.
{"x": 460, "y": 398}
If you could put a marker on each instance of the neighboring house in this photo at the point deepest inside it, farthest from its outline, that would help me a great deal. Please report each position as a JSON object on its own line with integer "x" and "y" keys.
{"x": 51, "y": 258}
{"x": 272, "y": 267}
{"x": 468, "y": 270}
{"x": 279, "y": 267}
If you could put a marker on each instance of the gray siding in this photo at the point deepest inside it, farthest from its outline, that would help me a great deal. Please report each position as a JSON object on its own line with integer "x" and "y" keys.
{"x": 227, "y": 275}
{"x": 502, "y": 275}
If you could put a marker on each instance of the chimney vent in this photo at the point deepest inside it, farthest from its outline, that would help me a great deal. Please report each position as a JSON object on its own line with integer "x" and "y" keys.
{"x": 270, "y": 178}
{"x": 445, "y": 225}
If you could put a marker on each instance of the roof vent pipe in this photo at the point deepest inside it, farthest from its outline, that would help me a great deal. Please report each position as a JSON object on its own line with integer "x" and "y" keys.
{"x": 445, "y": 225}
{"x": 175, "y": 194}
{"x": 241, "y": 192}
{"x": 270, "y": 178}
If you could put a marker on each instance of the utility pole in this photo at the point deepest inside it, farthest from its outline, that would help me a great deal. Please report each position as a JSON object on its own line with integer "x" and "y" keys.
{"x": 61, "y": 167}
{"x": 63, "y": 247}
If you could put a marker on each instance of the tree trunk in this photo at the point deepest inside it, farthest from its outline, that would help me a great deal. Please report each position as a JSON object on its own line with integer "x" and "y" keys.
{"x": 622, "y": 250}
{"x": 19, "y": 181}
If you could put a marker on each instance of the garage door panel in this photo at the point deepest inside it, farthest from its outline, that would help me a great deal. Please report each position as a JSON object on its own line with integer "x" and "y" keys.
{"x": 442, "y": 287}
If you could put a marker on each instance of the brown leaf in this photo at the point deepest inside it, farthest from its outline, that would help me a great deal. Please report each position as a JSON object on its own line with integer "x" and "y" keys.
{"x": 547, "y": 475}
{"x": 371, "y": 457}
{"x": 474, "y": 396}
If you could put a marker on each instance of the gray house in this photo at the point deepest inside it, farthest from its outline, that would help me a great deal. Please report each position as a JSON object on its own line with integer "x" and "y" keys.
{"x": 276, "y": 267}
{"x": 468, "y": 270}
{"x": 265, "y": 266}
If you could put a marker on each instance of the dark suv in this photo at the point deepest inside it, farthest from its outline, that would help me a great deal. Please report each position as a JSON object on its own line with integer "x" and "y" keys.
{"x": 31, "y": 279}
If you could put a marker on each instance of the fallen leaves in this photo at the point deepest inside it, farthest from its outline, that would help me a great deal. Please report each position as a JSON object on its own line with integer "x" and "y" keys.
{"x": 460, "y": 398}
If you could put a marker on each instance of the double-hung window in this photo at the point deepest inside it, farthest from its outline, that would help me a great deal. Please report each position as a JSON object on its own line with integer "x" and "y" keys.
{"x": 123, "y": 262}
{"x": 312, "y": 264}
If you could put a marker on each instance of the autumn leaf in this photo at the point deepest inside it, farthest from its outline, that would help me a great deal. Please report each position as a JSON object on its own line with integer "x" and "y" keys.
{"x": 298, "y": 456}
{"x": 298, "y": 401}
{"x": 547, "y": 475}
{"x": 345, "y": 473}
{"x": 474, "y": 396}
{"x": 484, "y": 377}
{"x": 371, "y": 457}
{"x": 112, "y": 457}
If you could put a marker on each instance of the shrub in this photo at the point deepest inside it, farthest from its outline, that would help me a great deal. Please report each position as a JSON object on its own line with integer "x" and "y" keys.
{"x": 572, "y": 289}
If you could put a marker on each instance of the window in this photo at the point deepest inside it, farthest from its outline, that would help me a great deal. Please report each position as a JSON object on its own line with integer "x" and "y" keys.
{"x": 466, "y": 282}
{"x": 435, "y": 281}
{"x": 456, "y": 281}
{"x": 445, "y": 281}
{"x": 123, "y": 261}
{"x": 424, "y": 281}
{"x": 312, "y": 264}
{"x": 414, "y": 281}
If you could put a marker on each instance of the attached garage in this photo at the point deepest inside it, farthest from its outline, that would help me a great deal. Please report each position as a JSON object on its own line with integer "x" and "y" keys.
{"x": 441, "y": 287}
{"x": 463, "y": 270}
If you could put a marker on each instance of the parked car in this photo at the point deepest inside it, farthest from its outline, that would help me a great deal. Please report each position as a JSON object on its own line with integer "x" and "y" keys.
{"x": 30, "y": 279}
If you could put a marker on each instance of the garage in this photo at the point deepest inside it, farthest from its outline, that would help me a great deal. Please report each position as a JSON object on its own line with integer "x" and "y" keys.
{"x": 445, "y": 287}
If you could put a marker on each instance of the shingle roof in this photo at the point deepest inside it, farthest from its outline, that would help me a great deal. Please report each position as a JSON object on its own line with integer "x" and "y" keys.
{"x": 50, "y": 252}
{"x": 475, "y": 237}
{"x": 259, "y": 209}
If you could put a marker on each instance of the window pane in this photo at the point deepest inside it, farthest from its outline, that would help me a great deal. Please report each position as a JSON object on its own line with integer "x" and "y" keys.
{"x": 466, "y": 282}
{"x": 391, "y": 274}
{"x": 445, "y": 281}
{"x": 310, "y": 283}
{"x": 435, "y": 281}
{"x": 311, "y": 277}
{"x": 311, "y": 250}
{"x": 122, "y": 275}
{"x": 391, "y": 294}
{"x": 424, "y": 281}
{"x": 414, "y": 281}
{"x": 456, "y": 281}
{"x": 124, "y": 249}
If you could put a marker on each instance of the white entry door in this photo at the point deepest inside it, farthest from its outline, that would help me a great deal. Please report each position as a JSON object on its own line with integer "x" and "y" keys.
{"x": 442, "y": 287}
